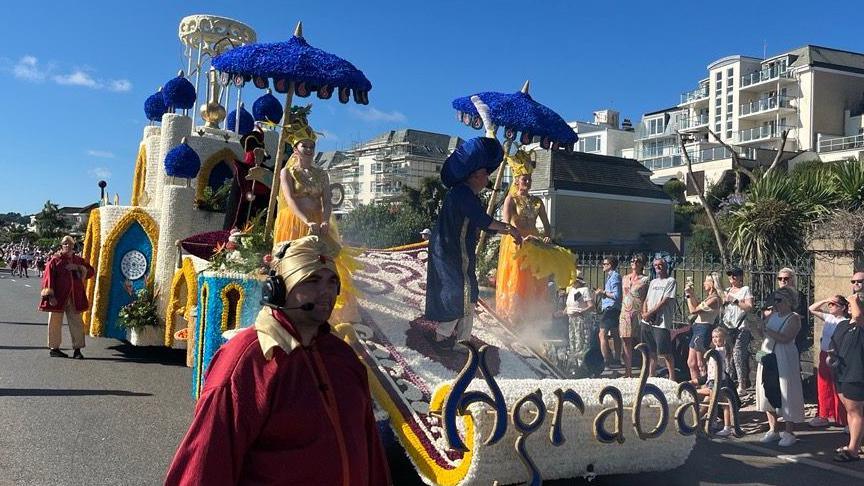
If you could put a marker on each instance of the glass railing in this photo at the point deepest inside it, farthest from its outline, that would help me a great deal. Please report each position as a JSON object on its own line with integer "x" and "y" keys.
{"x": 759, "y": 133}
{"x": 693, "y": 121}
{"x": 841, "y": 143}
{"x": 695, "y": 95}
{"x": 765, "y": 104}
{"x": 765, "y": 75}
{"x": 696, "y": 156}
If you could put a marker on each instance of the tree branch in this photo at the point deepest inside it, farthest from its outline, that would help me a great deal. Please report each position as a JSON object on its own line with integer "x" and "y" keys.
{"x": 736, "y": 163}
{"x": 783, "y": 136}
{"x": 718, "y": 237}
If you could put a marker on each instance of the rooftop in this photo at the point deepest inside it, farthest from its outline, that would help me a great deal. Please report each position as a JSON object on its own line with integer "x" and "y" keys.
{"x": 602, "y": 174}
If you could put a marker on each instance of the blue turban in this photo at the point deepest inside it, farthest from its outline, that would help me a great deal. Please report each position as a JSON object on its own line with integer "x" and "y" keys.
{"x": 475, "y": 154}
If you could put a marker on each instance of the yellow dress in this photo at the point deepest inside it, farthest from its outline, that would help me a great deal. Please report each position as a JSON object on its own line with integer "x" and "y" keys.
{"x": 519, "y": 295}
{"x": 312, "y": 183}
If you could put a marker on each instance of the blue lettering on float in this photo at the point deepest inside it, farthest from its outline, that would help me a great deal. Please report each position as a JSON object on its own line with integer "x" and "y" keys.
{"x": 460, "y": 398}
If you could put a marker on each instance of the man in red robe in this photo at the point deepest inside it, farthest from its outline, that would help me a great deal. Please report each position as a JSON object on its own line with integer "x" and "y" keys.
{"x": 285, "y": 401}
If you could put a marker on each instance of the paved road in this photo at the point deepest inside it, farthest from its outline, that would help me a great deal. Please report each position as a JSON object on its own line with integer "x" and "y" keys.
{"x": 116, "y": 418}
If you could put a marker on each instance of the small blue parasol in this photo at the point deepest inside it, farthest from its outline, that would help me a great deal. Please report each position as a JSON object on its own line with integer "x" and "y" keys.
{"x": 294, "y": 67}
{"x": 519, "y": 113}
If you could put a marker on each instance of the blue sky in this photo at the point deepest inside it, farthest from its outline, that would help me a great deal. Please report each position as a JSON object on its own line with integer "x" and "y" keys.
{"x": 75, "y": 74}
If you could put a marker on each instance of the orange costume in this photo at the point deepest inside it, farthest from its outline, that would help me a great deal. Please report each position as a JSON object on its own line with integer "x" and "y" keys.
{"x": 519, "y": 295}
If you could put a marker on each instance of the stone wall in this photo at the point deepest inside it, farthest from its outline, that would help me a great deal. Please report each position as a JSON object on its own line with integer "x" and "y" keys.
{"x": 834, "y": 262}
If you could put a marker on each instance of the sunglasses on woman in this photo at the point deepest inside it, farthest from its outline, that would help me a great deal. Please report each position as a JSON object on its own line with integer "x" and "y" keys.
{"x": 784, "y": 279}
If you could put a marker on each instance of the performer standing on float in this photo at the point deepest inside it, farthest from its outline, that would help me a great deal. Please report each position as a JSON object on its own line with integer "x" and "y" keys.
{"x": 451, "y": 280}
{"x": 519, "y": 295}
{"x": 305, "y": 207}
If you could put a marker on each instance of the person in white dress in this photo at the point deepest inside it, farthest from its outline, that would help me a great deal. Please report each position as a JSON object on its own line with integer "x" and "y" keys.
{"x": 780, "y": 330}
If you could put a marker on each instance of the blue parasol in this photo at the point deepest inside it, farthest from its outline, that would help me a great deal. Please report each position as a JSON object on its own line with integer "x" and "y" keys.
{"x": 519, "y": 113}
{"x": 294, "y": 67}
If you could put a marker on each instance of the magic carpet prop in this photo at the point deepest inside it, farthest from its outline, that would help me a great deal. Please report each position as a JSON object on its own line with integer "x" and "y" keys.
{"x": 415, "y": 381}
{"x": 405, "y": 368}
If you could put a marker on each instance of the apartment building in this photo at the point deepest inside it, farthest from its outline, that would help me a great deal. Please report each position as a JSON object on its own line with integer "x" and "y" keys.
{"x": 378, "y": 169}
{"x": 815, "y": 93}
{"x": 604, "y": 136}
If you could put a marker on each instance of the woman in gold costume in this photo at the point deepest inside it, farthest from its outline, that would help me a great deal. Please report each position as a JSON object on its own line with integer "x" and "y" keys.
{"x": 519, "y": 295}
{"x": 305, "y": 208}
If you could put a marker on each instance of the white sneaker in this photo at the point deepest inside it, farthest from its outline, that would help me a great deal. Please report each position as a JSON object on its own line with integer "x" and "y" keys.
{"x": 787, "y": 439}
{"x": 725, "y": 432}
{"x": 818, "y": 422}
{"x": 769, "y": 436}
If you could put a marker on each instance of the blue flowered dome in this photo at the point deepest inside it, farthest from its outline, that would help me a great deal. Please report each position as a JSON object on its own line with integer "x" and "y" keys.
{"x": 267, "y": 108}
{"x": 154, "y": 106}
{"x": 182, "y": 161}
{"x": 179, "y": 93}
{"x": 247, "y": 124}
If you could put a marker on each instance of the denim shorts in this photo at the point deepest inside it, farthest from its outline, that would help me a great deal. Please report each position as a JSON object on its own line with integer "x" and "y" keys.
{"x": 701, "y": 338}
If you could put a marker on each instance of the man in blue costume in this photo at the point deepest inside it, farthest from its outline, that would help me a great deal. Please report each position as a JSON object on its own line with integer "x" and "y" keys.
{"x": 451, "y": 280}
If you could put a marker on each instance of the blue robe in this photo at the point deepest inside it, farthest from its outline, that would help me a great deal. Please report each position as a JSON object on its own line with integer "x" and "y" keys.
{"x": 451, "y": 280}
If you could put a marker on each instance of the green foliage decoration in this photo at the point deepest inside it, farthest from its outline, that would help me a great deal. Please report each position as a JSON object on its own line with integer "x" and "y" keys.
{"x": 141, "y": 312}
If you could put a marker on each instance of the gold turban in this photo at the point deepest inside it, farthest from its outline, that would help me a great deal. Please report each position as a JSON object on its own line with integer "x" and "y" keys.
{"x": 303, "y": 257}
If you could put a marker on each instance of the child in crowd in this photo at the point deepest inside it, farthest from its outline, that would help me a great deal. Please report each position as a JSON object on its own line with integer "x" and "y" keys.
{"x": 719, "y": 343}
{"x": 578, "y": 306}
{"x": 830, "y": 408}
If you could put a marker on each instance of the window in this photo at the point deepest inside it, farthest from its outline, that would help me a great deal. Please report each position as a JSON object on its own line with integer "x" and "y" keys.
{"x": 655, "y": 126}
{"x": 717, "y": 128}
{"x": 719, "y": 76}
{"x": 696, "y": 184}
{"x": 729, "y": 98}
{"x": 729, "y": 125}
{"x": 589, "y": 144}
{"x": 728, "y": 133}
{"x": 730, "y": 72}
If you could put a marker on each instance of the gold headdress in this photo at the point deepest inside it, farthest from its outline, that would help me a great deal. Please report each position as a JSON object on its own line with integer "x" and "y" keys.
{"x": 298, "y": 128}
{"x": 520, "y": 163}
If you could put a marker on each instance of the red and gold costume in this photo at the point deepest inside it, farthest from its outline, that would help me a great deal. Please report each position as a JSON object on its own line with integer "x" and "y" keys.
{"x": 64, "y": 284}
{"x": 275, "y": 412}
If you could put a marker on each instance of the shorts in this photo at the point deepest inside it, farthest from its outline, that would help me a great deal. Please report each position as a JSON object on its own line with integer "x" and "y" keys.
{"x": 609, "y": 319}
{"x": 701, "y": 338}
{"x": 852, "y": 390}
{"x": 658, "y": 340}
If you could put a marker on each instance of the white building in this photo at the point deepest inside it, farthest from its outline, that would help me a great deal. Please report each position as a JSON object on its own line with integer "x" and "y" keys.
{"x": 378, "y": 169}
{"x": 604, "y": 136}
{"x": 814, "y": 93}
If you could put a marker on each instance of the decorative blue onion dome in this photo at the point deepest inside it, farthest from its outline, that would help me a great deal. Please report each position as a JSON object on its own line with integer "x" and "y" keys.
{"x": 247, "y": 124}
{"x": 267, "y": 108}
{"x": 182, "y": 161}
{"x": 179, "y": 93}
{"x": 154, "y": 106}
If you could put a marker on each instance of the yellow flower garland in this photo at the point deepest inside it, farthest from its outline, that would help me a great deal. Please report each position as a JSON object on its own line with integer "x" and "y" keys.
{"x": 140, "y": 176}
{"x": 91, "y": 253}
{"x": 411, "y": 443}
{"x": 183, "y": 276}
{"x": 225, "y": 154}
{"x": 226, "y": 303}
{"x": 199, "y": 344}
{"x": 106, "y": 257}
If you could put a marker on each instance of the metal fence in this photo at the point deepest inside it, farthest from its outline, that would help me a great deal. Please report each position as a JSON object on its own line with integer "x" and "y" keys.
{"x": 762, "y": 279}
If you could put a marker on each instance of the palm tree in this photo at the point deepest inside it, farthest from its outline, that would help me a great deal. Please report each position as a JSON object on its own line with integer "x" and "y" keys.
{"x": 49, "y": 221}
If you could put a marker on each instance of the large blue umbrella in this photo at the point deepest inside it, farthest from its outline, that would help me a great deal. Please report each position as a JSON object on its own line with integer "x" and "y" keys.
{"x": 519, "y": 114}
{"x": 294, "y": 67}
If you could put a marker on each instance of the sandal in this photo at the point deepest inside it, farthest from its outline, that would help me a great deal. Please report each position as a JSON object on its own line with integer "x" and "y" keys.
{"x": 845, "y": 455}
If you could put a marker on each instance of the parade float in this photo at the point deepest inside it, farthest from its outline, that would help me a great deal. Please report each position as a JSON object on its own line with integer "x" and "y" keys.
{"x": 501, "y": 413}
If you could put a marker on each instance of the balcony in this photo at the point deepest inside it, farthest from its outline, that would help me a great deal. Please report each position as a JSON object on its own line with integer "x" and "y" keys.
{"x": 700, "y": 93}
{"x": 841, "y": 143}
{"x": 765, "y": 132}
{"x": 696, "y": 156}
{"x": 765, "y": 105}
{"x": 778, "y": 73}
{"x": 693, "y": 122}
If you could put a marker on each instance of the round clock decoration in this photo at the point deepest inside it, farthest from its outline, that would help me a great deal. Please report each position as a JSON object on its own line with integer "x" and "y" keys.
{"x": 133, "y": 265}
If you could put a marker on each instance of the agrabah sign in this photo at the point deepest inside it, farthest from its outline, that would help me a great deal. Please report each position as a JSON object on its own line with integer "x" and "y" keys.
{"x": 688, "y": 417}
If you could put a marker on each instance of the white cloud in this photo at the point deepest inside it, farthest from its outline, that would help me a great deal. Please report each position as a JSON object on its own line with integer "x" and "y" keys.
{"x": 28, "y": 68}
{"x": 77, "y": 78}
{"x": 370, "y": 114}
{"x": 102, "y": 154}
{"x": 119, "y": 85}
{"x": 100, "y": 173}
{"x": 328, "y": 135}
